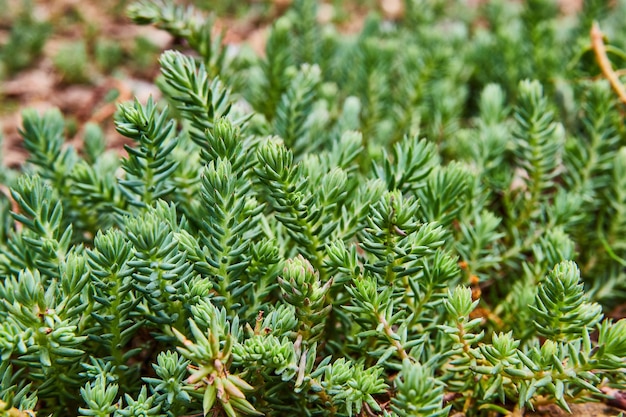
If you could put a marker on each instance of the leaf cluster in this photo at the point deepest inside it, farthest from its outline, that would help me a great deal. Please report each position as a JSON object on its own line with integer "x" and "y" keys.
{"x": 350, "y": 231}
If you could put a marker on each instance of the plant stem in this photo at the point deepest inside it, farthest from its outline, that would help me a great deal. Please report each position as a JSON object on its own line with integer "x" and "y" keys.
{"x": 390, "y": 335}
{"x": 597, "y": 43}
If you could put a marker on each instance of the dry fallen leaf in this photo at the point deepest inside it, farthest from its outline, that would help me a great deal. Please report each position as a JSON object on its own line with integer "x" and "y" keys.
{"x": 578, "y": 410}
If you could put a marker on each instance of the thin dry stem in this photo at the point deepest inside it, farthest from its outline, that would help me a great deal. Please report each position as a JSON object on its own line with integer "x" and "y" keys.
{"x": 597, "y": 43}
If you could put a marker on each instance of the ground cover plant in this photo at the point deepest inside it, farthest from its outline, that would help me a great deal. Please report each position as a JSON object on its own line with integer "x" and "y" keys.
{"x": 424, "y": 218}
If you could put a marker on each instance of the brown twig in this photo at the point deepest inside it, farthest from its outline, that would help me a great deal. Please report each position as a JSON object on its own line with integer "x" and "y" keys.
{"x": 597, "y": 43}
{"x": 391, "y": 336}
{"x": 108, "y": 110}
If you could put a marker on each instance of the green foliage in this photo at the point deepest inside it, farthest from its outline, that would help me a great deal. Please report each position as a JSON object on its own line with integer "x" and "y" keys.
{"x": 147, "y": 165}
{"x": 538, "y": 141}
{"x": 561, "y": 307}
{"x": 25, "y": 41}
{"x": 108, "y": 55}
{"x": 71, "y": 62}
{"x": 419, "y": 394}
{"x": 400, "y": 222}
{"x": 184, "y": 23}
